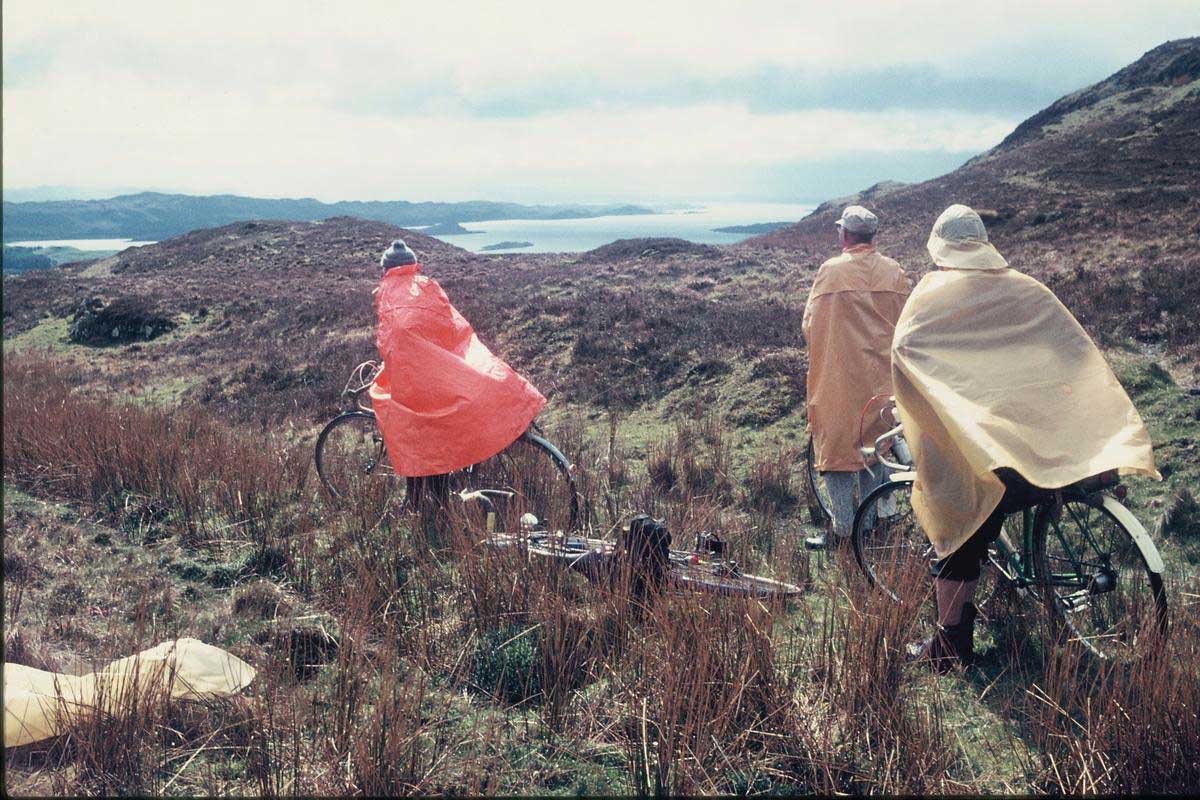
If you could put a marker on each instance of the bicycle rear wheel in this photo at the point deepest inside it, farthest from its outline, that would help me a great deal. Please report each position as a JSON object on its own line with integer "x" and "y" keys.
{"x": 354, "y": 469}
{"x": 820, "y": 507}
{"x": 890, "y": 548}
{"x": 1096, "y": 580}
{"x": 530, "y": 476}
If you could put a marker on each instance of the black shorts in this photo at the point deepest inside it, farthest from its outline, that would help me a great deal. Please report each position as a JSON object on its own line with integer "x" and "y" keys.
{"x": 964, "y": 563}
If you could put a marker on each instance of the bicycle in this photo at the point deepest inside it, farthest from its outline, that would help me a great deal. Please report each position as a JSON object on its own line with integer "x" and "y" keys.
{"x": 1093, "y": 566}
{"x": 530, "y": 476}
{"x": 704, "y": 569}
{"x": 820, "y": 507}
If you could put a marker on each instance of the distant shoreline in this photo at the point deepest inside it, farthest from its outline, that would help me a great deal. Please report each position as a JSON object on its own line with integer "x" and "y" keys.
{"x": 156, "y": 216}
{"x": 758, "y": 227}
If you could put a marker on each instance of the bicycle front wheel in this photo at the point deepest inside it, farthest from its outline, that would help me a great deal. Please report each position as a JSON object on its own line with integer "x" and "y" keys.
{"x": 820, "y": 507}
{"x": 1096, "y": 580}
{"x": 890, "y": 547}
{"x": 353, "y": 466}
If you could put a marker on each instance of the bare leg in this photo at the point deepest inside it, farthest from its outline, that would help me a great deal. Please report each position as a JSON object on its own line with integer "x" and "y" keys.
{"x": 952, "y": 596}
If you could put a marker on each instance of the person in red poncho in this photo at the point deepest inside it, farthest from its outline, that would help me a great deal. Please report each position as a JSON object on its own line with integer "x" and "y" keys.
{"x": 442, "y": 400}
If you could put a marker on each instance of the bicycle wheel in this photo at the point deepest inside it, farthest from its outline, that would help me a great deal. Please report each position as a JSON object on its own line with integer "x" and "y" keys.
{"x": 1095, "y": 579}
{"x": 889, "y": 546}
{"x": 353, "y": 466}
{"x": 713, "y": 578}
{"x": 820, "y": 507}
{"x": 530, "y": 476}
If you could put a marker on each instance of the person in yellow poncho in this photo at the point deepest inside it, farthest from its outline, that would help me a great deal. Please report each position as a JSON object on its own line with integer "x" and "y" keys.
{"x": 848, "y": 324}
{"x": 1002, "y": 394}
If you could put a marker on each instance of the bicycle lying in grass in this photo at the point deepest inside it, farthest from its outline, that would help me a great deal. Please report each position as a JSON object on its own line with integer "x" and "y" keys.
{"x": 1079, "y": 551}
{"x": 530, "y": 476}
{"x": 645, "y": 544}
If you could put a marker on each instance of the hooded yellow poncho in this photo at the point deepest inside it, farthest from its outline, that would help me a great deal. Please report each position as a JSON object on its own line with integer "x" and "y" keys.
{"x": 990, "y": 370}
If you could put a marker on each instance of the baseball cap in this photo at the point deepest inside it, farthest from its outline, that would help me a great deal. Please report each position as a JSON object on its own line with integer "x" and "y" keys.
{"x": 856, "y": 219}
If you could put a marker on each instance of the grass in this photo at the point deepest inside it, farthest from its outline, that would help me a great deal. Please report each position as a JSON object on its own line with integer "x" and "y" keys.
{"x": 401, "y": 659}
{"x": 49, "y": 334}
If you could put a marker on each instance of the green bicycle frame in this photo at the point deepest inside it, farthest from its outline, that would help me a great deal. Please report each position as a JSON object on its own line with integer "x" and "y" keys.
{"x": 1019, "y": 565}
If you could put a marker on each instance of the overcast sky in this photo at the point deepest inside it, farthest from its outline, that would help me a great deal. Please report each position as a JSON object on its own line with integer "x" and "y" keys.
{"x": 642, "y": 101}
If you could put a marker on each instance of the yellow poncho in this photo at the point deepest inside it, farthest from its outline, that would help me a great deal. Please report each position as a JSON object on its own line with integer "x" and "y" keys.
{"x": 848, "y": 324}
{"x": 990, "y": 370}
{"x": 40, "y": 704}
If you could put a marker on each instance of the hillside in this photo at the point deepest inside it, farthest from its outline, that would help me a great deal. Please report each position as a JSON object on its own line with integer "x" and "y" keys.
{"x": 272, "y": 315}
{"x": 1098, "y": 195}
{"x": 152, "y": 215}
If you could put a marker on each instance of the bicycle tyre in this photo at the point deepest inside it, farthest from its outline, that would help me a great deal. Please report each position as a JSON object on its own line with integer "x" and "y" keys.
{"x": 705, "y": 579}
{"x": 538, "y": 476}
{"x": 820, "y": 508}
{"x": 891, "y": 550}
{"x": 352, "y": 464}
{"x": 1106, "y": 595}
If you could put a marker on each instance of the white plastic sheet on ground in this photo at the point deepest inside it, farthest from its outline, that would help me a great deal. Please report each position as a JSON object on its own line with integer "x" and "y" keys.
{"x": 40, "y": 704}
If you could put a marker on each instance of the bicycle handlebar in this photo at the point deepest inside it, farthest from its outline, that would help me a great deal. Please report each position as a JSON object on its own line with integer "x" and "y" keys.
{"x": 892, "y": 434}
{"x": 361, "y": 378}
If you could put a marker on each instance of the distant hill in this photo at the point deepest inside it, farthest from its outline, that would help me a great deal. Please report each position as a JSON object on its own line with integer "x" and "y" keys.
{"x": 151, "y": 215}
{"x": 1115, "y": 162}
{"x": 757, "y": 227}
{"x": 1098, "y": 195}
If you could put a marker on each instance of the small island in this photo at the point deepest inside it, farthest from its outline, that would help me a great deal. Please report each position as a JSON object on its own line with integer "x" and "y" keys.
{"x": 448, "y": 228}
{"x": 758, "y": 227}
{"x": 506, "y": 246}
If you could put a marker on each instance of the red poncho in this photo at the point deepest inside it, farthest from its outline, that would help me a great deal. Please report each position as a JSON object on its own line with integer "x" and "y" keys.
{"x": 443, "y": 400}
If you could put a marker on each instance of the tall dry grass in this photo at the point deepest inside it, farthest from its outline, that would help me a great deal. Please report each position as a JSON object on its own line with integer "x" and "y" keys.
{"x": 1127, "y": 728}
{"x": 451, "y": 667}
{"x": 209, "y": 480}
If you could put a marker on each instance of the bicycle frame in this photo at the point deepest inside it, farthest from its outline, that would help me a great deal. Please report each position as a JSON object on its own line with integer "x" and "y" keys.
{"x": 1018, "y": 563}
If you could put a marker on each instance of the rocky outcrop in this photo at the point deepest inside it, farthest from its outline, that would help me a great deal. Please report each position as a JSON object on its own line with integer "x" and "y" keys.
{"x": 124, "y": 319}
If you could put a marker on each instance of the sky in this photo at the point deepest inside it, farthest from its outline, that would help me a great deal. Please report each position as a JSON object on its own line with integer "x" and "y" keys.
{"x": 539, "y": 102}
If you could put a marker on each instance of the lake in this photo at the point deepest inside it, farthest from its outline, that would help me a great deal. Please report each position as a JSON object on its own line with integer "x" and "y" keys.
{"x": 83, "y": 244}
{"x": 694, "y": 223}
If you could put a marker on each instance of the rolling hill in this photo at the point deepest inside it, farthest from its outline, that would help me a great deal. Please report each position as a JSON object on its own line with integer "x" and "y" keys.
{"x": 1098, "y": 195}
{"x": 153, "y": 215}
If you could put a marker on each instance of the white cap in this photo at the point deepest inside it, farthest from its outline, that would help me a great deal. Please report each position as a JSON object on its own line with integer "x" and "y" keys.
{"x": 959, "y": 241}
{"x": 856, "y": 219}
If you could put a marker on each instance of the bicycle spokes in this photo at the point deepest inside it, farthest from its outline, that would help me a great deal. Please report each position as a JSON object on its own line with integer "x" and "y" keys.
{"x": 1097, "y": 581}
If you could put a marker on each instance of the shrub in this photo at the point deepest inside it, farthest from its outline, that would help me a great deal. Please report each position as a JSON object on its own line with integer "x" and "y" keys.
{"x": 508, "y": 663}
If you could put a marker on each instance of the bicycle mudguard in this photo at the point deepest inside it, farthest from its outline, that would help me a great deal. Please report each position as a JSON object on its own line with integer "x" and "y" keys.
{"x": 1138, "y": 531}
{"x": 554, "y": 451}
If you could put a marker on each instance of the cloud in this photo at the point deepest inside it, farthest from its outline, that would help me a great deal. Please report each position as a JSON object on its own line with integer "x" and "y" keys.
{"x": 380, "y": 99}
{"x": 768, "y": 89}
